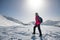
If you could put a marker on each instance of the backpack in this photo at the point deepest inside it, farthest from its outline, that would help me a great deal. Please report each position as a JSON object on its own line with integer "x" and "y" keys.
{"x": 41, "y": 20}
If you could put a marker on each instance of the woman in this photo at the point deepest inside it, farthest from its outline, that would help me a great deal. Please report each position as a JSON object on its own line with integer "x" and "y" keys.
{"x": 37, "y": 24}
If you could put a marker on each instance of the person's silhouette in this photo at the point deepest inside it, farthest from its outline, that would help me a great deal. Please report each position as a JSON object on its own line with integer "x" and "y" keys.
{"x": 38, "y": 21}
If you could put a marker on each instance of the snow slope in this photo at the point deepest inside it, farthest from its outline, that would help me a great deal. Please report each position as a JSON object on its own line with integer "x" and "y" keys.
{"x": 6, "y": 22}
{"x": 25, "y": 33}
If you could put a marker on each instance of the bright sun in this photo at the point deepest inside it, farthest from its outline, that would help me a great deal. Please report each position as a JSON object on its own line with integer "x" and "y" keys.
{"x": 35, "y": 4}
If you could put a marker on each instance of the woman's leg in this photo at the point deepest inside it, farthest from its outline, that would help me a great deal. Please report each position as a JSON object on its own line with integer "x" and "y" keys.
{"x": 34, "y": 29}
{"x": 39, "y": 30}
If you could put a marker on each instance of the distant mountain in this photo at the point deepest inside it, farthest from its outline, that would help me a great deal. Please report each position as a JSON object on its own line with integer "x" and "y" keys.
{"x": 50, "y": 22}
{"x": 5, "y": 22}
{"x": 15, "y": 20}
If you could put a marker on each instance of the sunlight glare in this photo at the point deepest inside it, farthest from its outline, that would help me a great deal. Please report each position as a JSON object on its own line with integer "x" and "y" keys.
{"x": 35, "y": 4}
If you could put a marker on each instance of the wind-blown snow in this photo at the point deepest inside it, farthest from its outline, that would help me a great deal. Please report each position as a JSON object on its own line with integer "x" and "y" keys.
{"x": 25, "y": 33}
{"x": 5, "y": 22}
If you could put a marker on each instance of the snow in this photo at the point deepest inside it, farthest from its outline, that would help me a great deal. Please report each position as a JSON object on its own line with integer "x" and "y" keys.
{"x": 5, "y": 22}
{"x": 25, "y": 33}
{"x": 10, "y": 30}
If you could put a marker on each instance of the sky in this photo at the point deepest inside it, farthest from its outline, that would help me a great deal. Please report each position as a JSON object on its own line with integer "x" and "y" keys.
{"x": 24, "y": 10}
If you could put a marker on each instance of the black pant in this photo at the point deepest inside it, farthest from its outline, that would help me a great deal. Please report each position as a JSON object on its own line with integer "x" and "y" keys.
{"x": 38, "y": 29}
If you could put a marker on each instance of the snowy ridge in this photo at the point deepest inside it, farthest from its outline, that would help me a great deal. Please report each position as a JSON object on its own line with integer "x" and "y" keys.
{"x": 51, "y": 23}
{"x": 15, "y": 20}
{"x": 12, "y": 19}
{"x": 6, "y": 22}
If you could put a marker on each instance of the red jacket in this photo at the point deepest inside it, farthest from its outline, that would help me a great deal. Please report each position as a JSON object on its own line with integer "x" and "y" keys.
{"x": 37, "y": 20}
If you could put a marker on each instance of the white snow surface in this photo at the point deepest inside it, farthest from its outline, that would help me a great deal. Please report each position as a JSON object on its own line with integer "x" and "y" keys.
{"x": 25, "y": 33}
